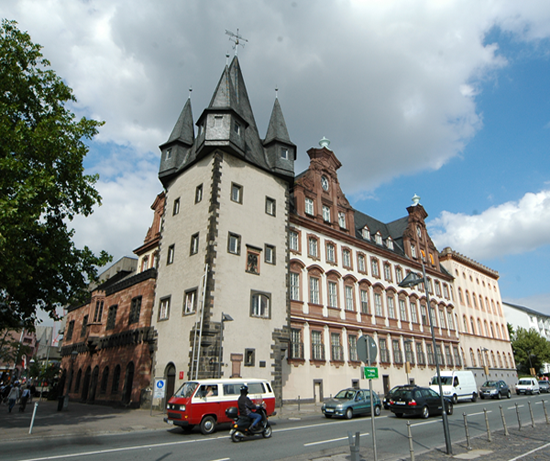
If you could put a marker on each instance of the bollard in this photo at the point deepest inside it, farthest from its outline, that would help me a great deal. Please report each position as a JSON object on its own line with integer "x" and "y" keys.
{"x": 33, "y": 415}
{"x": 354, "y": 447}
{"x": 545, "y": 414}
{"x": 468, "y": 446}
{"x": 531, "y": 412}
{"x": 519, "y": 420}
{"x": 503, "y": 421}
{"x": 489, "y": 438}
{"x": 411, "y": 447}
{"x": 298, "y": 404}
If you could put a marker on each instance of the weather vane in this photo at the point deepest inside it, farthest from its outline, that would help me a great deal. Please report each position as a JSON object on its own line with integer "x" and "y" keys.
{"x": 236, "y": 39}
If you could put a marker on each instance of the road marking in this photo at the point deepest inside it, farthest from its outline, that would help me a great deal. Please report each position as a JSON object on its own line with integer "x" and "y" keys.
{"x": 480, "y": 413}
{"x": 532, "y": 451}
{"x": 322, "y": 424}
{"x": 427, "y": 422}
{"x": 512, "y": 408}
{"x": 331, "y": 440}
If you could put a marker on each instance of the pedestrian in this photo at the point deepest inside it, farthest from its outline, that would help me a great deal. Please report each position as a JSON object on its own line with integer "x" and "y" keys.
{"x": 33, "y": 391}
{"x": 12, "y": 397}
{"x": 24, "y": 397}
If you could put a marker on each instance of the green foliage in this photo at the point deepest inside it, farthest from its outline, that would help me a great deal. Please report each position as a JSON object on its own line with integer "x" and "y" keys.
{"x": 530, "y": 350}
{"x": 42, "y": 185}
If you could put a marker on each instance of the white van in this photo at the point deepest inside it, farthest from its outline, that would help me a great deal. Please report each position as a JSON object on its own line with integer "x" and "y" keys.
{"x": 458, "y": 385}
{"x": 527, "y": 386}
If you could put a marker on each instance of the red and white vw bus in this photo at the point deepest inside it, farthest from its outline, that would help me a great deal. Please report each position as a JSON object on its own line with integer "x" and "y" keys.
{"x": 204, "y": 401}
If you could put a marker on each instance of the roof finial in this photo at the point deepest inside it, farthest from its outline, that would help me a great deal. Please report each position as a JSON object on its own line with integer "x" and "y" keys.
{"x": 190, "y": 90}
{"x": 324, "y": 142}
{"x": 236, "y": 39}
{"x": 276, "y": 92}
{"x": 416, "y": 200}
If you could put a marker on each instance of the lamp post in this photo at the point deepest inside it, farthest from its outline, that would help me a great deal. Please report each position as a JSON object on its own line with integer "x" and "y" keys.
{"x": 411, "y": 280}
{"x": 225, "y": 318}
{"x": 407, "y": 361}
{"x": 485, "y": 367}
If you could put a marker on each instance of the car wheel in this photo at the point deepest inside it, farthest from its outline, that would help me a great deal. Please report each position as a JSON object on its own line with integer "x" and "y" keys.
{"x": 455, "y": 398}
{"x": 328, "y": 416}
{"x": 377, "y": 410}
{"x": 509, "y": 395}
{"x": 399, "y": 415}
{"x": 208, "y": 425}
{"x": 499, "y": 396}
{"x": 450, "y": 408}
{"x": 349, "y": 413}
{"x": 474, "y": 397}
{"x": 425, "y": 413}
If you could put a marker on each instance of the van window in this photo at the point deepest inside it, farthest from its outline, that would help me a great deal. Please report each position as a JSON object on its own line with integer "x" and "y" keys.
{"x": 208, "y": 391}
{"x": 456, "y": 382}
{"x": 232, "y": 389}
{"x": 445, "y": 380}
{"x": 256, "y": 388}
{"x": 186, "y": 390}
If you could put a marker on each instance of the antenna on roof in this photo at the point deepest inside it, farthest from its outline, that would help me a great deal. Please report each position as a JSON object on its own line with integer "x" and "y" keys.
{"x": 236, "y": 39}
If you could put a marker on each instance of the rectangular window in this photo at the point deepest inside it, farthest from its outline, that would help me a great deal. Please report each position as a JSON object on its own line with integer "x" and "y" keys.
{"x": 403, "y": 310}
{"x": 309, "y": 207}
{"x": 317, "y": 349}
{"x": 424, "y": 315}
{"x": 352, "y": 343}
{"x": 314, "y": 290}
{"x": 440, "y": 357}
{"x": 176, "y": 208}
{"x": 430, "y": 353}
{"x": 437, "y": 288}
{"x": 361, "y": 263}
{"x": 198, "y": 193}
{"x": 164, "y": 309}
{"x": 450, "y": 322}
{"x": 190, "y": 302}
{"x": 378, "y": 305}
{"x": 433, "y": 319}
{"x": 442, "y": 318}
{"x": 346, "y": 258}
{"x": 294, "y": 286}
{"x": 409, "y": 355}
{"x": 234, "y": 244}
{"x": 331, "y": 254}
{"x": 236, "y": 193}
{"x": 387, "y": 272}
{"x": 312, "y": 247}
{"x": 194, "y": 249}
{"x": 260, "y": 305}
{"x": 270, "y": 206}
{"x": 326, "y": 213}
{"x": 293, "y": 241}
{"x": 296, "y": 345}
{"x": 284, "y": 153}
{"x": 342, "y": 220}
{"x": 111, "y": 317}
{"x": 269, "y": 254}
{"x": 420, "y": 354}
{"x": 349, "y": 299}
{"x": 365, "y": 302}
{"x": 458, "y": 362}
{"x": 135, "y": 310}
{"x": 249, "y": 357}
{"x": 448, "y": 356}
{"x": 384, "y": 354}
{"x": 413, "y": 251}
{"x": 414, "y": 317}
{"x": 374, "y": 267}
{"x": 336, "y": 347}
{"x": 70, "y": 330}
{"x": 252, "y": 261}
{"x": 237, "y": 128}
{"x": 332, "y": 294}
{"x": 171, "y": 252}
{"x": 398, "y": 275}
{"x": 445, "y": 291}
{"x": 84, "y": 325}
{"x": 98, "y": 311}
{"x": 391, "y": 307}
{"x": 397, "y": 355}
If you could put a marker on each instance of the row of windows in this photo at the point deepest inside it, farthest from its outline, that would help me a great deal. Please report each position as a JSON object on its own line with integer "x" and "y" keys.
{"x": 103, "y": 384}
{"x": 347, "y": 262}
{"x": 477, "y": 280}
{"x": 135, "y": 309}
{"x": 260, "y": 304}
{"x": 394, "y": 311}
{"x": 491, "y": 362}
{"x": 485, "y": 306}
{"x": 193, "y": 249}
{"x": 236, "y": 195}
{"x": 326, "y": 212}
{"x": 491, "y": 331}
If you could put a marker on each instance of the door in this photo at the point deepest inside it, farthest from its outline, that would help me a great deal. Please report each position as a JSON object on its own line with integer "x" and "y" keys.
{"x": 317, "y": 390}
{"x": 93, "y": 385}
{"x": 128, "y": 383}
{"x": 386, "y": 383}
{"x": 170, "y": 375}
{"x": 86, "y": 384}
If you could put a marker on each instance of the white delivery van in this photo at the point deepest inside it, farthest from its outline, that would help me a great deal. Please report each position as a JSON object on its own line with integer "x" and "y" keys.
{"x": 458, "y": 385}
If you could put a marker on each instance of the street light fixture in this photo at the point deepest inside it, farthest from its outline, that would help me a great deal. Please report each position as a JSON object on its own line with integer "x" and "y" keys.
{"x": 225, "y": 318}
{"x": 485, "y": 367}
{"x": 409, "y": 281}
{"x": 407, "y": 362}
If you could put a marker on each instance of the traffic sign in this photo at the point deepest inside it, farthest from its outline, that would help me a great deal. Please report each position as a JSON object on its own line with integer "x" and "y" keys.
{"x": 371, "y": 372}
{"x": 366, "y": 349}
{"x": 160, "y": 388}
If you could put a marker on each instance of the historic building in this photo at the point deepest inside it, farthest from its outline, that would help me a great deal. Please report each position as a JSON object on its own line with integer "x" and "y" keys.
{"x": 480, "y": 318}
{"x": 221, "y": 306}
{"x": 108, "y": 341}
{"x": 345, "y": 269}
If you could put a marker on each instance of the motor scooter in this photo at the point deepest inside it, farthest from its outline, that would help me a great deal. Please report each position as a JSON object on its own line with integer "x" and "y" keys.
{"x": 240, "y": 428}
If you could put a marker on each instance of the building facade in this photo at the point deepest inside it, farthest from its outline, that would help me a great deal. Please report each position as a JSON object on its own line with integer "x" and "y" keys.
{"x": 108, "y": 341}
{"x": 481, "y": 319}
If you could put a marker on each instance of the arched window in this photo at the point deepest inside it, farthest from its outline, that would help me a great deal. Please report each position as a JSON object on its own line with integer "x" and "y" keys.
{"x": 460, "y": 297}
{"x": 116, "y": 380}
{"x": 104, "y": 380}
{"x": 486, "y": 328}
{"x": 472, "y": 324}
{"x": 465, "y": 320}
{"x": 499, "y": 360}
{"x": 481, "y": 303}
{"x": 77, "y": 382}
{"x": 479, "y": 329}
{"x": 473, "y": 357}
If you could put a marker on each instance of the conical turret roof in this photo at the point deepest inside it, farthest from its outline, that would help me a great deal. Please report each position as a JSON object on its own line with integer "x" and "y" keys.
{"x": 277, "y": 126}
{"x": 183, "y": 130}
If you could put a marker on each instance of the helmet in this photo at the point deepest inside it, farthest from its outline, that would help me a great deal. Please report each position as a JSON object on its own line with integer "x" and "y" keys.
{"x": 244, "y": 389}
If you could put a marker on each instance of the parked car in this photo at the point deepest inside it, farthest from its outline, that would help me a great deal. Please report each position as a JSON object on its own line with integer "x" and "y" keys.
{"x": 458, "y": 385}
{"x": 350, "y": 402}
{"x": 495, "y": 390}
{"x": 544, "y": 386}
{"x": 386, "y": 399}
{"x": 527, "y": 386}
{"x": 420, "y": 401}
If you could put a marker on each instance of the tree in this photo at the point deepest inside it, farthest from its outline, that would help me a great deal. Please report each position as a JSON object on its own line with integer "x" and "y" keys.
{"x": 42, "y": 186}
{"x": 531, "y": 350}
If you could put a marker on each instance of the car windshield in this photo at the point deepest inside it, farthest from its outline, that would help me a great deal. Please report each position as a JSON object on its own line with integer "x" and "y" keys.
{"x": 445, "y": 380}
{"x": 186, "y": 390}
{"x": 524, "y": 382}
{"x": 345, "y": 395}
{"x": 401, "y": 394}
{"x": 544, "y": 383}
{"x": 490, "y": 384}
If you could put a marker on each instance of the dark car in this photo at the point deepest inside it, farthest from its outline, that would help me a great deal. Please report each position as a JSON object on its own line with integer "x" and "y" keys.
{"x": 350, "y": 402}
{"x": 494, "y": 390}
{"x": 416, "y": 400}
{"x": 544, "y": 386}
{"x": 386, "y": 399}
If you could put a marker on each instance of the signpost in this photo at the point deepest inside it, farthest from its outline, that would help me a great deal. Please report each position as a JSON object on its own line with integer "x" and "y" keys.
{"x": 367, "y": 352}
{"x": 159, "y": 391}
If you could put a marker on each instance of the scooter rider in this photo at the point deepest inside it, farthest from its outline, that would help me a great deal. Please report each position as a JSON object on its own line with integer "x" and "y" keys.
{"x": 245, "y": 405}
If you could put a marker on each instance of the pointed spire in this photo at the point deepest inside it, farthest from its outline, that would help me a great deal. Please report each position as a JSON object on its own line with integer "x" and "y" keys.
{"x": 224, "y": 95}
{"x": 183, "y": 130}
{"x": 277, "y": 126}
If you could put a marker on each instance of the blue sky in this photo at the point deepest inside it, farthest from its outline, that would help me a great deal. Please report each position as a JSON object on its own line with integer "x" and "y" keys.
{"x": 448, "y": 99}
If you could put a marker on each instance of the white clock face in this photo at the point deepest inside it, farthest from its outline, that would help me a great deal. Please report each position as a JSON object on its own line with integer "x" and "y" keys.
{"x": 324, "y": 182}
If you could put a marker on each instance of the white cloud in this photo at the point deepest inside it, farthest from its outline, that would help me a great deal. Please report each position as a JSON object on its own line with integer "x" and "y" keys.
{"x": 510, "y": 228}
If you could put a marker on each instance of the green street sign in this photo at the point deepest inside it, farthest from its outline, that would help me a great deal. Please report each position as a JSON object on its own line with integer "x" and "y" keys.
{"x": 371, "y": 372}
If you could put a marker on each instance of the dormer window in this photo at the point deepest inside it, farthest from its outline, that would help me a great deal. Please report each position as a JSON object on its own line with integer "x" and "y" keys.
{"x": 309, "y": 206}
{"x": 378, "y": 238}
{"x": 389, "y": 243}
{"x": 237, "y": 128}
{"x": 366, "y": 233}
{"x": 413, "y": 251}
{"x": 342, "y": 220}
{"x": 284, "y": 153}
{"x": 326, "y": 213}
{"x": 168, "y": 153}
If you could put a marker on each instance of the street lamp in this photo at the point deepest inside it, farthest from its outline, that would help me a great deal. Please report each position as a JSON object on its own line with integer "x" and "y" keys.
{"x": 225, "y": 318}
{"x": 407, "y": 362}
{"x": 411, "y": 280}
{"x": 485, "y": 367}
